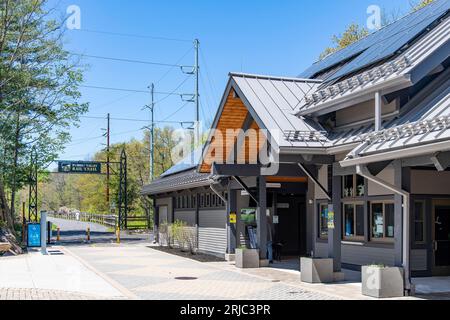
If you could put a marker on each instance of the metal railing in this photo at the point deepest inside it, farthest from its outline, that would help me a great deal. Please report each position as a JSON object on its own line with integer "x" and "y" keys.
{"x": 105, "y": 220}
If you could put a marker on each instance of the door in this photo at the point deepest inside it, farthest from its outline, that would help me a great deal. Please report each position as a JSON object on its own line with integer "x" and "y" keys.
{"x": 441, "y": 237}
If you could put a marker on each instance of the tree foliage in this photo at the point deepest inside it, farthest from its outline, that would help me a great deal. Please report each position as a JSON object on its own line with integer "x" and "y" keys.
{"x": 39, "y": 97}
{"x": 353, "y": 33}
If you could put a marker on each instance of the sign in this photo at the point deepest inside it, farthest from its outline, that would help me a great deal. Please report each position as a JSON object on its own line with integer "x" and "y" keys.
{"x": 233, "y": 217}
{"x": 276, "y": 220}
{"x": 330, "y": 217}
{"x": 87, "y": 167}
{"x": 34, "y": 235}
{"x": 283, "y": 205}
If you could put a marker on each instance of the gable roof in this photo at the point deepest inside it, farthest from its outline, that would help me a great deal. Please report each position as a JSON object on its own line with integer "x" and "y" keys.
{"x": 377, "y": 46}
{"x": 405, "y": 70}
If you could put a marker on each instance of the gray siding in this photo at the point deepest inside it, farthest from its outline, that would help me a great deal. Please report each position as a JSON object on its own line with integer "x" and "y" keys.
{"x": 212, "y": 232}
{"x": 362, "y": 255}
{"x": 185, "y": 216}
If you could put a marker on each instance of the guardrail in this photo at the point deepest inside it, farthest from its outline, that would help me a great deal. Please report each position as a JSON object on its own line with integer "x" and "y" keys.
{"x": 105, "y": 220}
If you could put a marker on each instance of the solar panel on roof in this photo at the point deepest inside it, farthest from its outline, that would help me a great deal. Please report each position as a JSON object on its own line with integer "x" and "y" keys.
{"x": 191, "y": 161}
{"x": 381, "y": 44}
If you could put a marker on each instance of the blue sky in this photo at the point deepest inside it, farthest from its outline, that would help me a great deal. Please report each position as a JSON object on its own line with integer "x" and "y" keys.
{"x": 255, "y": 36}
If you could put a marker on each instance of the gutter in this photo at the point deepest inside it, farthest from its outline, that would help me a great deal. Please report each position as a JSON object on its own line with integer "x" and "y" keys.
{"x": 364, "y": 172}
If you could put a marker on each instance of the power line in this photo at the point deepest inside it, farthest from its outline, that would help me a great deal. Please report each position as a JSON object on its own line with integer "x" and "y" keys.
{"x": 178, "y": 110}
{"x": 131, "y": 60}
{"x": 134, "y": 35}
{"x": 131, "y": 90}
{"x": 129, "y": 119}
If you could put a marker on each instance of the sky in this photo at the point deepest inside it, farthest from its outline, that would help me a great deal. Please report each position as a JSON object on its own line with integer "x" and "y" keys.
{"x": 280, "y": 38}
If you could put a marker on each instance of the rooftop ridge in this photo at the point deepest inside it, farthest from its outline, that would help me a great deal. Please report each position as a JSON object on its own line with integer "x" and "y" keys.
{"x": 268, "y": 77}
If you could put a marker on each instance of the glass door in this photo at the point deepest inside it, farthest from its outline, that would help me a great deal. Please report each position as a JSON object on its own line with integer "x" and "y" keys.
{"x": 441, "y": 237}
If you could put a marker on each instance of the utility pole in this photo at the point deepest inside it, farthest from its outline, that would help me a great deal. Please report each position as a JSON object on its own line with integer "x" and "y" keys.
{"x": 197, "y": 100}
{"x": 152, "y": 134}
{"x": 108, "y": 159}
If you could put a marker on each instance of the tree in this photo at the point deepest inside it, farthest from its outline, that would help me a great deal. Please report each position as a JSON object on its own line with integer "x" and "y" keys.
{"x": 39, "y": 97}
{"x": 353, "y": 33}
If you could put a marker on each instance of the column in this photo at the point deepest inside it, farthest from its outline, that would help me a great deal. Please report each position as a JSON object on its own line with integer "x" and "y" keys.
{"x": 398, "y": 216}
{"x": 262, "y": 218}
{"x": 335, "y": 234}
{"x": 231, "y": 227}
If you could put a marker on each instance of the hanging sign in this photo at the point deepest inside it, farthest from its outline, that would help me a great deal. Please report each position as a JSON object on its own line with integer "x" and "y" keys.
{"x": 330, "y": 217}
{"x": 87, "y": 167}
{"x": 233, "y": 218}
{"x": 34, "y": 235}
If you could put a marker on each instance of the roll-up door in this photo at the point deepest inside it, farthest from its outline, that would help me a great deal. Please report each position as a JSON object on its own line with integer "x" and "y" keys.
{"x": 212, "y": 233}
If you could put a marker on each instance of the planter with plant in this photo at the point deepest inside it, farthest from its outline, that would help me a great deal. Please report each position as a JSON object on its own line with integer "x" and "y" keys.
{"x": 381, "y": 281}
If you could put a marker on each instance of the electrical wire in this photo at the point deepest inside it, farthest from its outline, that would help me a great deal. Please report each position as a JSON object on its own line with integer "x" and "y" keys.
{"x": 133, "y": 35}
{"x": 131, "y": 90}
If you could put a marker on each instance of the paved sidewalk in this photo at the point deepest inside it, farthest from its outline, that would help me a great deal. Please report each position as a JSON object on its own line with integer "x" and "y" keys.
{"x": 42, "y": 294}
{"x": 37, "y": 276}
{"x": 154, "y": 275}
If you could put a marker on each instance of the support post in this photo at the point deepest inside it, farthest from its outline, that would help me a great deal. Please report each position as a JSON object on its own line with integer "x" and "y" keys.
{"x": 378, "y": 104}
{"x": 335, "y": 234}
{"x": 44, "y": 232}
{"x": 398, "y": 215}
{"x": 262, "y": 217}
{"x": 231, "y": 227}
{"x": 197, "y": 95}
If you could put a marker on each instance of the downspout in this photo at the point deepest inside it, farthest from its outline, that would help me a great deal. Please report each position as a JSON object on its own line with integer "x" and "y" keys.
{"x": 364, "y": 172}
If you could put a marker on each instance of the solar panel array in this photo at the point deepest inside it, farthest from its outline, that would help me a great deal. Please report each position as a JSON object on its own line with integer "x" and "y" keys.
{"x": 381, "y": 44}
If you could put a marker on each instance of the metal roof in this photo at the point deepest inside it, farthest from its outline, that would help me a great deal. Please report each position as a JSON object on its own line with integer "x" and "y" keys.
{"x": 392, "y": 72}
{"x": 380, "y": 44}
{"x": 179, "y": 181}
{"x": 189, "y": 162}
{"x": 428, "y": 122}
{"x": 274, "y": 101}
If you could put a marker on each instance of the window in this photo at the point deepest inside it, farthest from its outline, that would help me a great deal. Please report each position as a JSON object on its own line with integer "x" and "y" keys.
{"x": 353, "y": 221}
{"x": 353, "y": 186}
{"x": 323, "y": 221}
{"x": 382, "y": 220}
{"x": 419, "y": 221}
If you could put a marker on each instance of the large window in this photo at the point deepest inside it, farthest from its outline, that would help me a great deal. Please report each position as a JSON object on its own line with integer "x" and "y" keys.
{"x": 323, "y": 221}
{"x": 353, "y": 221}
{"x": 419, "y": 221}
{"x": 353, "y": 186}
{"x": 382, "y": 221}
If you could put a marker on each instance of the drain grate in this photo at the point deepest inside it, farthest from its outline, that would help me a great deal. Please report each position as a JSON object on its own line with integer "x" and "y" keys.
{"x": 55, "y": 252}
{"x": 186, "y": 278}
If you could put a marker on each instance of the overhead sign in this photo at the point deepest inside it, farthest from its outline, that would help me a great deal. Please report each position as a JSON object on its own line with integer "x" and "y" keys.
{"x": 34, "y": 235}
{"x": 88, "y": 167}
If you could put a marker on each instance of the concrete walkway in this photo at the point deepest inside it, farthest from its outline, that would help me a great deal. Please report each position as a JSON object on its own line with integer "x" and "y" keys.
{"x": 154, "y": 275}
{"x": 38, "y": 276}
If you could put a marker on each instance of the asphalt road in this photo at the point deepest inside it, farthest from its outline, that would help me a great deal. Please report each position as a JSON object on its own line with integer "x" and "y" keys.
{"x": 74, "y": 232}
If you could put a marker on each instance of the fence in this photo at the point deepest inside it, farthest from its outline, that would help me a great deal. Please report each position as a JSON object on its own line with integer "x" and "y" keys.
{"x": 105, "y": 220}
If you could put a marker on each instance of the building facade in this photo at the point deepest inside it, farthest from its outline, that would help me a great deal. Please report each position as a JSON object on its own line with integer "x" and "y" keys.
{"x": 358, "y": 151}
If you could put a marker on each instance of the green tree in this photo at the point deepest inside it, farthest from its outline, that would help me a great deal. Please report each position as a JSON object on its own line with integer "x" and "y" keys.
{"x": 39, "y": 97}
{"x": 353, "y": 33}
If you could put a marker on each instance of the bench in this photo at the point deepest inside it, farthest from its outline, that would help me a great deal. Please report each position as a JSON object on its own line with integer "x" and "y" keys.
{"x": 4, "y": 247}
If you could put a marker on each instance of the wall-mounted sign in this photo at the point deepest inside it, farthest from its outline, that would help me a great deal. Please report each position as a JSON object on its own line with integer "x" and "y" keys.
{"x": 276, "y": 220}
{"x": 283, "y": 205}
{"x": 87, "y": 167}
{"x": 34, "y": 235}
{"x": 330, "y": 217}
{"x": 244, "y": 193}
{"x": 233, "y": 217}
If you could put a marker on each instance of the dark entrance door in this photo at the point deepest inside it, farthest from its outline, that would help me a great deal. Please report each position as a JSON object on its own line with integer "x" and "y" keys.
{"x": 441, "y": 237}
{"x": 291, "y": 228}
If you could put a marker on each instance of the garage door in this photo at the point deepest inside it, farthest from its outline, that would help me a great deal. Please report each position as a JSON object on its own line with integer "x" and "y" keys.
{"x": 212, "y": 232}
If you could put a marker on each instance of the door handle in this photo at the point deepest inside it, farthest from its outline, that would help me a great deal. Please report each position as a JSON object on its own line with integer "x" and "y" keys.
{"x": 435, "y": 245}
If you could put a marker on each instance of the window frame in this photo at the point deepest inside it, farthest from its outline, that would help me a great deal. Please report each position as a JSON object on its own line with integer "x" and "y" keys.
{"x": 423, "y": 221}
{"x": 384, "y": 239}
{"x": 319, "y": 231}
{"x": 355, "y": 238}
{"x": 355, "y": 187}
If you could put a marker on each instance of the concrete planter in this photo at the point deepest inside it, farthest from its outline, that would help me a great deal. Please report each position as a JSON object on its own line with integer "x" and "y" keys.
{"x": 316, "y": 270}
{"x": 247, "y": 258}
{"x": 382, "y": 282}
